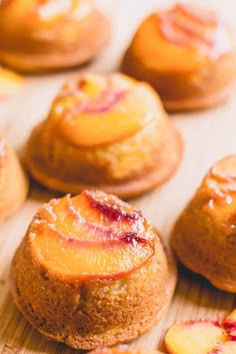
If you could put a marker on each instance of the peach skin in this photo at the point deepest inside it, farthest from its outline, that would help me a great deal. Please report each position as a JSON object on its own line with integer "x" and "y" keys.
{"x": 13, "y": 181}
{"x": 108, "y": 133}
{"x": 202, "y": 337}
{"x": 125, "y": 349}
{"x": 45, "y": 35}
{"x": 91, "y": 271}
{"x": 187, "y": 54}
{"x": 204, "y": 236}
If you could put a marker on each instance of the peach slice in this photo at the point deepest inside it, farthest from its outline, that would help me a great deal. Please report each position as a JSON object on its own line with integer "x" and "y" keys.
{"x": 103, "y": 235}
{"x": 42, "y": 10}
{"x": 224, "y": 348}
{"x": 124, "y": 349}
{"x": 203, "y": 337}
{"x": 188, "y": 27}
{"x": 100, "y": 110}
{"x": 220, "y": 185}
{"x": 51, "y": 10}
{"x": 9, "y": 83}
{"x": 229, "y": 325}
{"x": 193, "y": 337}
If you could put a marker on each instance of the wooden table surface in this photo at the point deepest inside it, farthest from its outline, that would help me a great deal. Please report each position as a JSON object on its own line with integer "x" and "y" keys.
{"x": 208, "y": 136}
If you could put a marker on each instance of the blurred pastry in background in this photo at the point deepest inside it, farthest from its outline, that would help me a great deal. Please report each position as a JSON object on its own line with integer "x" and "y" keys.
{"x": 187, "y": 54}
{"x": 204, "y": 237}
{"x": 10, "y": 83}
{"x": 104, "y": 132}
{"x": 13, "y": 181}
{"x": 45, "y": 35}
{"x": 91, "y": 271}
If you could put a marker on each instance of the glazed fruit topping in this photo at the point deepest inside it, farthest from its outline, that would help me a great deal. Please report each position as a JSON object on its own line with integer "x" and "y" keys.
{"x": 188, "y": 27}
{"x": 93, "y": 97}
{"x": 124, "y": 349}
{"x": 202, "y": 337}
{"x": 52, "y": 9}
{"x": 220, "y": 185}
{"x": 93, "y": 235}
{"x": 98, "y": 110}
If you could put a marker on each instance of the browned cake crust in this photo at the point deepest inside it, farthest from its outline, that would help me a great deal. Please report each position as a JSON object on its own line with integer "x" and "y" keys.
{"x": 203, "y": 237}
{"x": 166, "y": 158}
{"x": 91, "y": 313}
{"x": 14, "y": 184}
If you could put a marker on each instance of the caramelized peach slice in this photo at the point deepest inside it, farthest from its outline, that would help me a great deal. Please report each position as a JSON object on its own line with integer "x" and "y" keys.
{"x": 51, "y": 10}
{"x": 100, "y": 110}
{"x": 46, "y": 10}
{"x": 194, "y": 337}
{"x": 220, "y": 186}
{"x": 124, "y": 349}
{"x": 229, "y": 325}
{"x": 9, "y": 83}
{"x": 203, "y": 337}
{"x": 103, "y": 236}
{"x": 188, "y": 27}
{"x": 224, "y": 348}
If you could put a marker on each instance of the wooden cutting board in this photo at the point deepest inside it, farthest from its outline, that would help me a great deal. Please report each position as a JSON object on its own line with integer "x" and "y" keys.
{"x": 208, "y": 136}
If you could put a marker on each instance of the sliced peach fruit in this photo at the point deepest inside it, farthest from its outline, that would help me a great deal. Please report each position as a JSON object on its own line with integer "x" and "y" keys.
{"x": 203, "y": 337}
{"x": 229, "y": 325}
{"x": 124, "y": 349}
{"x": 9, "y": 83}
{"x": 188, "y": 26}
{"x": 103, "y": 235}
{"x": 224, "y": 348}
{"x": 193, "y": 337}
{"x": 220, "y": 185}
{"x": 99, "y": 110}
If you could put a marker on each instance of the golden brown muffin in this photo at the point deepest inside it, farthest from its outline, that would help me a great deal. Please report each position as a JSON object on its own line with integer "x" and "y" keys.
{"x": 43, "y": 35}
{"x": 91, "y": 271}
{"x": 204, "y": 237}
{"x": 124, "y": 349}
{"x": 13, "y": 181}
{"x": 108, "y": 133}
{"x": 187, "y": 54}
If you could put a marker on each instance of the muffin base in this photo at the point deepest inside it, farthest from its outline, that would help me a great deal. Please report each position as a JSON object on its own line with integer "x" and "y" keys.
{"x": 192, "y": 104}
{"x": 126, "y": 189}
{"x": 113, "y": 336}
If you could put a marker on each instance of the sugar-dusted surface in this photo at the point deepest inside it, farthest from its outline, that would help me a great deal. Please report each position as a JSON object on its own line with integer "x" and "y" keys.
{"x": 208, "y": 136}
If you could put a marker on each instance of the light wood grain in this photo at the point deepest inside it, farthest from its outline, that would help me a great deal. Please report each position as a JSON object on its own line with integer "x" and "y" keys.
{"x": 208, "y": 136}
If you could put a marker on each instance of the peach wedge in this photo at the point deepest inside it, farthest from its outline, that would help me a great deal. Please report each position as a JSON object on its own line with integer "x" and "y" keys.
{"x": 203, "y": 337}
